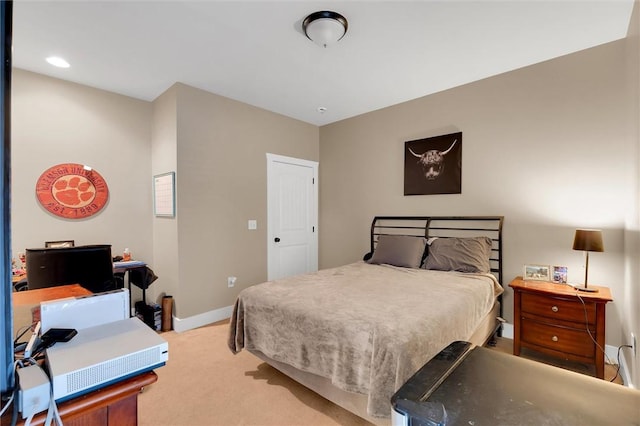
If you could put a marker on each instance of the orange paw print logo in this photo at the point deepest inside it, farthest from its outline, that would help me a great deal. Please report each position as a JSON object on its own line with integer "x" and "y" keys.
{"x": 73, "y": 191}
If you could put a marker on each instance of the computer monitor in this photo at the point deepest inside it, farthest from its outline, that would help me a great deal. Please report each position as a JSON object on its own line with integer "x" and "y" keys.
{"x": 90, "y": 266}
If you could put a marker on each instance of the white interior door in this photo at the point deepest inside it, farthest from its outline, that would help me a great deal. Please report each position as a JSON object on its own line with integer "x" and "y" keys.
{"x": 292, "y": 204}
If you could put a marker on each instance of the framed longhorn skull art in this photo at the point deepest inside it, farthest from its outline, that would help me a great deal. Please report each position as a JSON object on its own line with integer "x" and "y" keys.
{"x": 433, "y": 165}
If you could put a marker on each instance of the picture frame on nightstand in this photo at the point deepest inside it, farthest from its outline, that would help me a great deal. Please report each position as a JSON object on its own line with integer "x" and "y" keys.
{"x": 560, "y": 274}
{"x": 537, "y": 272}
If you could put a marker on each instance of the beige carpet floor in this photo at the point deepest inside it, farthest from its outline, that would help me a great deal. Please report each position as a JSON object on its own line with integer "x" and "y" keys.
{"x": 203, "y": 383}
{"x": 610, "y": 370}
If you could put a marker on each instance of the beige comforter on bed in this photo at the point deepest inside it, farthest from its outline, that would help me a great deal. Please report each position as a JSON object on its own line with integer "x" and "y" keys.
{"x": 365, "y": 327}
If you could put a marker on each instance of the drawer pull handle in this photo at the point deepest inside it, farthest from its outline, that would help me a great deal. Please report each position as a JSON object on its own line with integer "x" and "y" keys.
{"x": 554, "y": 308}
{"x": 554, "y": 338}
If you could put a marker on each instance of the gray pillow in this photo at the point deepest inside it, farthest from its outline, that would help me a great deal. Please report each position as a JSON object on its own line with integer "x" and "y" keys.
{"x": 399, "y": 250}
{"x": 459, "y": 254}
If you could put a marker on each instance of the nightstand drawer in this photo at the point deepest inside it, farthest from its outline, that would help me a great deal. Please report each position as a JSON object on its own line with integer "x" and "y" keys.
{"x": 557, "y": 308}
{"x": 558, "y": 338}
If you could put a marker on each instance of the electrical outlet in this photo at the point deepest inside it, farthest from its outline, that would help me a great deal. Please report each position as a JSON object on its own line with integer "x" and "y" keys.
{"x": 634, "y": 346}
{"x": 231, "y": 281}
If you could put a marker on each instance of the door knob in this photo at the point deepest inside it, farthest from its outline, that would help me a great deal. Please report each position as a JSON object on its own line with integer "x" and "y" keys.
{"x": 276, "y": 239}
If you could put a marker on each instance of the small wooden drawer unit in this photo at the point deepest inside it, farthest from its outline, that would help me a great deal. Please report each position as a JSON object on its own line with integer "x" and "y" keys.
{"x": 560, "y": 321}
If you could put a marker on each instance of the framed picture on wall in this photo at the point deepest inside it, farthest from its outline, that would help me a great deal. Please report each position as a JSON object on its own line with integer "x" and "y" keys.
{"x": 164, "y": 195}
{"x": 537, "y": 273}
{"x": 433, "y": 165}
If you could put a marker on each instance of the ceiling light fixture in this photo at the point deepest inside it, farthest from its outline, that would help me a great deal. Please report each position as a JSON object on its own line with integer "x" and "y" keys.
{"x": 325, "y": 27}
{"x": 58, "y": 62}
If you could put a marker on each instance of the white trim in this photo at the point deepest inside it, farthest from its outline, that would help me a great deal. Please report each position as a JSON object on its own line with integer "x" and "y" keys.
{"x": 625, "y": 371}
{"x": 507, "y": 330}
{"x": 611, "y": 354}
{"x": 185, "y": 324}
{"x": 291, "y": 160}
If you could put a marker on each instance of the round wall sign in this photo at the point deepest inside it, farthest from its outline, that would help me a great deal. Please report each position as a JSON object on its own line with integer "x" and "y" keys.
{"x": 72, "y": 191}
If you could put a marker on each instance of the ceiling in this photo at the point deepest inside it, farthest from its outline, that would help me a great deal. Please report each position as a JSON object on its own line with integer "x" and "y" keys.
{"x": 255, "y": 52}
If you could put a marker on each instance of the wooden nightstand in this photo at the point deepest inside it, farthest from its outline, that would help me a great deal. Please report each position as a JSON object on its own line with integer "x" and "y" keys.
{"x": 550, "y": 318}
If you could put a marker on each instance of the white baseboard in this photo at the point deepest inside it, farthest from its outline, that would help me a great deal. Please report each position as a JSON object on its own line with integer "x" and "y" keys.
{"x": 625, "y": 371}
{"x": 507, "y": 330}
{"x": 610, "y": 351}
{"x": 184, "y": 324}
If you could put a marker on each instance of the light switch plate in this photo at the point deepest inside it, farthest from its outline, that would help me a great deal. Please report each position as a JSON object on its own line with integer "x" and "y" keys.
{"x": 253, "y": 224}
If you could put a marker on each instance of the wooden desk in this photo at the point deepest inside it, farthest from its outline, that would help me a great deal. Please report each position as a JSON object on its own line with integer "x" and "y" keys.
{"x": 115, "y": 405}
{"x": 33, "y": 297}
{"x": 25, "y": 301}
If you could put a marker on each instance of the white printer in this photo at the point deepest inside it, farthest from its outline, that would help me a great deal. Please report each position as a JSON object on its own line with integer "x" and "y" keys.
{"x": 109, "y": 346}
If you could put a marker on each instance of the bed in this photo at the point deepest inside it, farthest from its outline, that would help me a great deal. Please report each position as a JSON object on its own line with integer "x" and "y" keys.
{"x": 354, "y": 334}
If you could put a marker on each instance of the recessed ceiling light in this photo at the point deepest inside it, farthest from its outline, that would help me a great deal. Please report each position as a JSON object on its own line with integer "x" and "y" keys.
{"x": 58, "y": 62}
{"x": 322, "y": 109}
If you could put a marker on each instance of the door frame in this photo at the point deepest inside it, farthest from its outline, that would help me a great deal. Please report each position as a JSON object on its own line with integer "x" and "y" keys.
{"x": 271, "y": 160}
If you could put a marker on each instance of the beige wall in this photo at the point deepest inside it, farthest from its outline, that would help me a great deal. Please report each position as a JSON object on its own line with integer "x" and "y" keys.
{"x": 164, "y": 150}
{"x": 546, "y": 146}
{"x": 216, "y": 146}
{"x": 221, "y": 168}
{"x": 55, "y": 122}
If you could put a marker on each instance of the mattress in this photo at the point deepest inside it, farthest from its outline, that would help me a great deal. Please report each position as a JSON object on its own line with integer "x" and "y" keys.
{"x": 364, "y": 328}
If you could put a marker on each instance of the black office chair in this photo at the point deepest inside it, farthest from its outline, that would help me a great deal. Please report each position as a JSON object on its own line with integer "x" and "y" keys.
{"x": 142, "y": 277}
{"x": 118, "y": 279}
{"x": 21, "y": 285}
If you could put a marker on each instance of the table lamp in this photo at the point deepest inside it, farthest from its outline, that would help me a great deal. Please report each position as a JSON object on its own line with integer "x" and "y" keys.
{"x": 588, "y": 240}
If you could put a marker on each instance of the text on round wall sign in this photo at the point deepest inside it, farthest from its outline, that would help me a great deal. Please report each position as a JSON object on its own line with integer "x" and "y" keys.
{"x": 72, "y": 191}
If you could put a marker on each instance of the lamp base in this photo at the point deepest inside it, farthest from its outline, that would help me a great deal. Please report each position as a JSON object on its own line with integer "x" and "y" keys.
{"x": 586, "y": 289}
